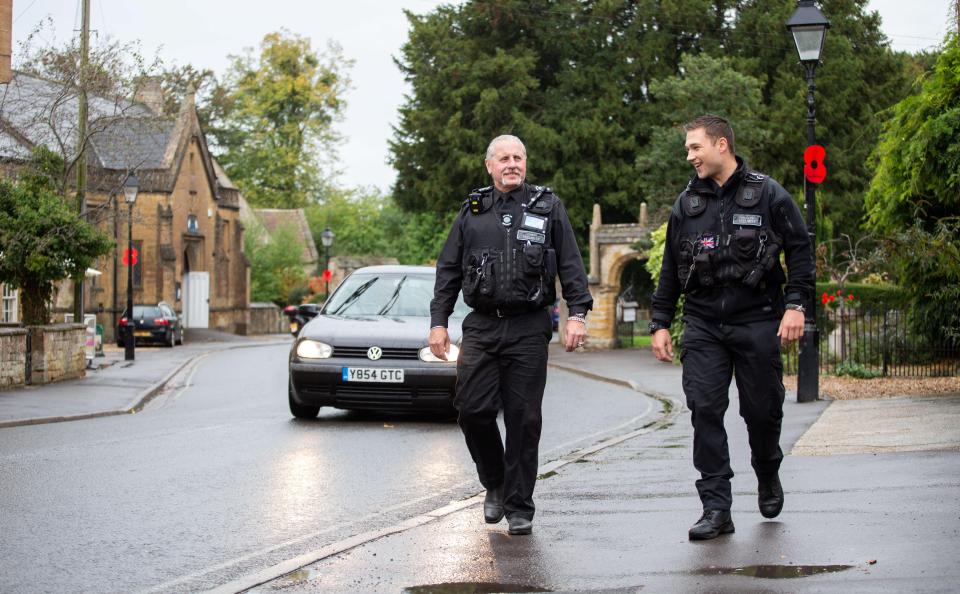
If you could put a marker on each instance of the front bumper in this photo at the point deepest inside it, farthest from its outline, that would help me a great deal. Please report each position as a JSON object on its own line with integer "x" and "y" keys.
{"x": 425, "y": 387}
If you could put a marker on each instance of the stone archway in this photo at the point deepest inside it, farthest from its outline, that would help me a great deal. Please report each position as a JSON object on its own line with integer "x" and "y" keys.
{"x": 612, "y": 247}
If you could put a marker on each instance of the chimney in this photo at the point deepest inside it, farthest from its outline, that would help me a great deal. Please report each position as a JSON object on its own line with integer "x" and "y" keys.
{"x": 6, "y": 33}
{"x": 150, "y": 94}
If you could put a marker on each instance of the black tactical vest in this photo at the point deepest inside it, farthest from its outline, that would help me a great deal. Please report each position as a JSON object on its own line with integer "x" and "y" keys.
{"x": 509, "y": 263}
{"x": 735, "y": 244}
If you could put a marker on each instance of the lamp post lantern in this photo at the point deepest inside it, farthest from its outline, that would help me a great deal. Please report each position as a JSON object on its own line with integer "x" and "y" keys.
{"x": 809, "y": 27}
{"x": 326, "y": 238}
{"x": 130, "y": 189}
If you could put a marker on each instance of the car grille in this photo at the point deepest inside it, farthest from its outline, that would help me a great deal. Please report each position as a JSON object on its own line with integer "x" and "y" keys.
{"x": 372, "y": 393}
{"x": 388, "y": 353}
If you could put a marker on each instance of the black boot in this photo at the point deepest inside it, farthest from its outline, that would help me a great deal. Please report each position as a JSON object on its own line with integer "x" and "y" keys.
{"x": 711, "y": 524}
{"x": 519, "y": 525}
{"x": 769, "y": 495}
{"x": 493, "y": 505}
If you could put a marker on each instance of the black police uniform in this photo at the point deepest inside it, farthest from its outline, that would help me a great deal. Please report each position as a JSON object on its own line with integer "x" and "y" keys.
{"x": 505, "y": 251}
{"x": 723, "y": 253}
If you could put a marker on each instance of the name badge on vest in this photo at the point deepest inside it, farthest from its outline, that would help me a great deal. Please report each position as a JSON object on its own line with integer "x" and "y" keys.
{"x": 753, "y": 220}
{"x": 534, "y": 222}
{"x": 533, "y": 236}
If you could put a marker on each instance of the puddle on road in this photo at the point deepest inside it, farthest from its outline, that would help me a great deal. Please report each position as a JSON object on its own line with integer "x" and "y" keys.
{"x": 775, "y": 571}
{"x": 472, "y": 588}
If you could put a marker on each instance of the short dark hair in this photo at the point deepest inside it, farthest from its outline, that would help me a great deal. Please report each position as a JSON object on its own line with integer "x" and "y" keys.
{"x": 715, "y": 127}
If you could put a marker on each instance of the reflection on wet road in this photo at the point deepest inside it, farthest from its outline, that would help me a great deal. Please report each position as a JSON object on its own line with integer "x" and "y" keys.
{"x": 217, "y": 480}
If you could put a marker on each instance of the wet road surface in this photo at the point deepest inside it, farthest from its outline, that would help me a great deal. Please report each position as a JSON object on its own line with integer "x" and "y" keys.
{"x": 215, "y": 480}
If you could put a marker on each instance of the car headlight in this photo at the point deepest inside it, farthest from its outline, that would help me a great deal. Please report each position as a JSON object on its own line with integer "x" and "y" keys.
{"x": 426, "y": 355}
{"x": 314, "y": 349}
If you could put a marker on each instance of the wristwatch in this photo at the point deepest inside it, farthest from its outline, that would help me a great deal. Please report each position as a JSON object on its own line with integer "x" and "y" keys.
{"x": 796, "y": 307}
{"x": 654, "y": 326}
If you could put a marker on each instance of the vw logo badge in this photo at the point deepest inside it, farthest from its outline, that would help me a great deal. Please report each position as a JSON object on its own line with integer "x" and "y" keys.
{"x": 374, "y": 353}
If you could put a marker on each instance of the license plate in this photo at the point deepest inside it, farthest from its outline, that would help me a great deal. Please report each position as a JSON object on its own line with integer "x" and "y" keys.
{"x": 293, "y": 327}
{"x": 142, "y": 333}
{"x": 367, "y": 374}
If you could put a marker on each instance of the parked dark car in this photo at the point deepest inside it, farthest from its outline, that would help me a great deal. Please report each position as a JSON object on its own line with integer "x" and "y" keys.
{"x": 157, "y": 324}
{"x": 367, "y": 348}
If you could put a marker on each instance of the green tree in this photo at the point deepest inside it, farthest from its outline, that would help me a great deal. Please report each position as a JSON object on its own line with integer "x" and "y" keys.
{"x": 577, "y": 80}
{"x": 276, "y": 131}
{"x": 914, "y": 197}
{"x": 705, "y": 85}
{"x": 42, "y": 240}
{"x": 918, "y": 158}
{"x": 276, "y": 269}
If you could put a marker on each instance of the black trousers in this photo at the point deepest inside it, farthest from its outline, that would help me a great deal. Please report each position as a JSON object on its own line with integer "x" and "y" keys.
{"x": 503, "y": 365}
{"x": 712, "y": 352}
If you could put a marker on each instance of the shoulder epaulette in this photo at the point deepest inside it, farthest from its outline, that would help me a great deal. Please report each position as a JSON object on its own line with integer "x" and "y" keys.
{"x": 542, "y": 200}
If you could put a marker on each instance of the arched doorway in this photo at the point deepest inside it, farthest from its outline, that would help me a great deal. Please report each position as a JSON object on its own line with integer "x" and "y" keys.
{"x": 615, "y": 251}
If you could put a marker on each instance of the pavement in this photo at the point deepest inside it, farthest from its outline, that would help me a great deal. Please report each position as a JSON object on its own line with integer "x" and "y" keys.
{"x": 113, "y": 386}
{"x": 870, "y": 487}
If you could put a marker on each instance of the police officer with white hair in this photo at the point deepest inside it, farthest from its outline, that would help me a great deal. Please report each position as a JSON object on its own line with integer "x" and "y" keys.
{"x": 506, "y": 247}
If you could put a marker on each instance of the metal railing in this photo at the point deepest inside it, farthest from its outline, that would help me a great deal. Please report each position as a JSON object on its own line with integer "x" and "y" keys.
{"x": 877, "y": 343}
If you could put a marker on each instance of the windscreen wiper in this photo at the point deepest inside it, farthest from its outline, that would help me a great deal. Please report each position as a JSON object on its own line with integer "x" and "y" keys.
{"x": 393, "y": 298}
{"x": 355, "y": 295}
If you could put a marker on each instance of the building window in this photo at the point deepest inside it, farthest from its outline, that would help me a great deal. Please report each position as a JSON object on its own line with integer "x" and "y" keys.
{"x": 10, "y": 310}
{"x": 193, "y": 224}
{"x": 138, "y": 267}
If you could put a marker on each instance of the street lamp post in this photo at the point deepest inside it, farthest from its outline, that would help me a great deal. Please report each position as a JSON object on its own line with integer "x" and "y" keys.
{"x": 326, "y": 238}
{"x": 130, "y": 189}
{"x": 809, "y": 27}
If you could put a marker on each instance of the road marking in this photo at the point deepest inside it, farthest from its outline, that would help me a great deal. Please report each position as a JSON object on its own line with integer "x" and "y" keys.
{"x": 280, "y": 569}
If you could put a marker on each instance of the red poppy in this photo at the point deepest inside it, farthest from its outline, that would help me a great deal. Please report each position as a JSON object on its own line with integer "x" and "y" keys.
{"x": 839, "y": 292}
{"x": 833, "y": 298}
{"x": 850, "y": 297}
{"x": 824, "y": 298}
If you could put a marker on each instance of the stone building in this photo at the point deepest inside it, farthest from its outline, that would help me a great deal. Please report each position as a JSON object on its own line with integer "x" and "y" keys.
{"x": 186, "y": 219}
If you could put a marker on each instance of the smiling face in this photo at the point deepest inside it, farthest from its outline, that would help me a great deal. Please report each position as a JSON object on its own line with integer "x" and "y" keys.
{"x": 711, "y": 158}
{"x": 507, "y": 165}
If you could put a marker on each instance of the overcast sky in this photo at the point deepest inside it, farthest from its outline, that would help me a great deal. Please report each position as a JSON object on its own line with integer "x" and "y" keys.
{"x": 204, "y": 32}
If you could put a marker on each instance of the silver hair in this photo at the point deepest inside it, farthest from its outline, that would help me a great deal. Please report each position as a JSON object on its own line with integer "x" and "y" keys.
{"x": 504, "y": 138}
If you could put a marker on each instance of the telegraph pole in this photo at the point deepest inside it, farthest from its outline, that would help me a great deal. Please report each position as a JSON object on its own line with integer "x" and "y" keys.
{"x": 81, "y": 149}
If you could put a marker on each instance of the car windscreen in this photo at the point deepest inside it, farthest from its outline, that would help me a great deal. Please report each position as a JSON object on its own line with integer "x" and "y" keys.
{"x": 393, "y": 294}
{"x": 145, "y": 311}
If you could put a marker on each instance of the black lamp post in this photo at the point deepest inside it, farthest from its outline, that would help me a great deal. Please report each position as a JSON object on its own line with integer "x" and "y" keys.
{"x": 130, "y": 189}
{"x": 809, "y": 27}
{"x": 326, "y": 238}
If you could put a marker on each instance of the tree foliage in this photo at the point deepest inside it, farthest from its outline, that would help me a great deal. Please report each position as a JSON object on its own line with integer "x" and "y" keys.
{"x": 914, "y": 198}
{"x": 42, "y": 240}
{"x": 918, "y": 158}
{"x": 367, "y": 223}
{"x": 587, "y": 86}
{"x": 276, "y": 270}
{"x": 273, "y": 128}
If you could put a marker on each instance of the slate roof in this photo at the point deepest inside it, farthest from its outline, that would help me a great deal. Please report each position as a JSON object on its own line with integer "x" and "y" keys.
{"x": 123, "y": 135}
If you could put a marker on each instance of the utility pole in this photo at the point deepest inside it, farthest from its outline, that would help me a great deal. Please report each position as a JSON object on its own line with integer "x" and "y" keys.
{"x": 81, "y": 149}
{"x": 6, "y": 38}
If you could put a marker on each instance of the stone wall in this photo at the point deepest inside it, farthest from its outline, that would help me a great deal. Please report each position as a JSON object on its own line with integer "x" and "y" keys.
{"x": 57, "y": 352}
{"x": 13, "y": 352}
{"x": 267, "y": 318}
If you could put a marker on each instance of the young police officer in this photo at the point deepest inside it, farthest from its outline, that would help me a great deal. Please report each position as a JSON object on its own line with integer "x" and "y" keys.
{"x": 504, "y": 251}
{"x": 724, "y": 239}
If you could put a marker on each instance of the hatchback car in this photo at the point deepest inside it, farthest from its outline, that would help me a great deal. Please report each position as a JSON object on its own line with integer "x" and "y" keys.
{"x": 367, "y": 348}
{"x": 157, "y": 324}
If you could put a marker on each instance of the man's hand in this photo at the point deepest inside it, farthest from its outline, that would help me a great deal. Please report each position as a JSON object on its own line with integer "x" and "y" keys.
{"x": 439, "y": 342}
{"x": 662, "y": 345}
{"x": 791, "y": 326}
{"x": 573, "y": 334}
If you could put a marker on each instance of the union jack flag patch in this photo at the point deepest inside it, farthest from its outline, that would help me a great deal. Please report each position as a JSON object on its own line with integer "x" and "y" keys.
{"x": 708, "y": 242}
